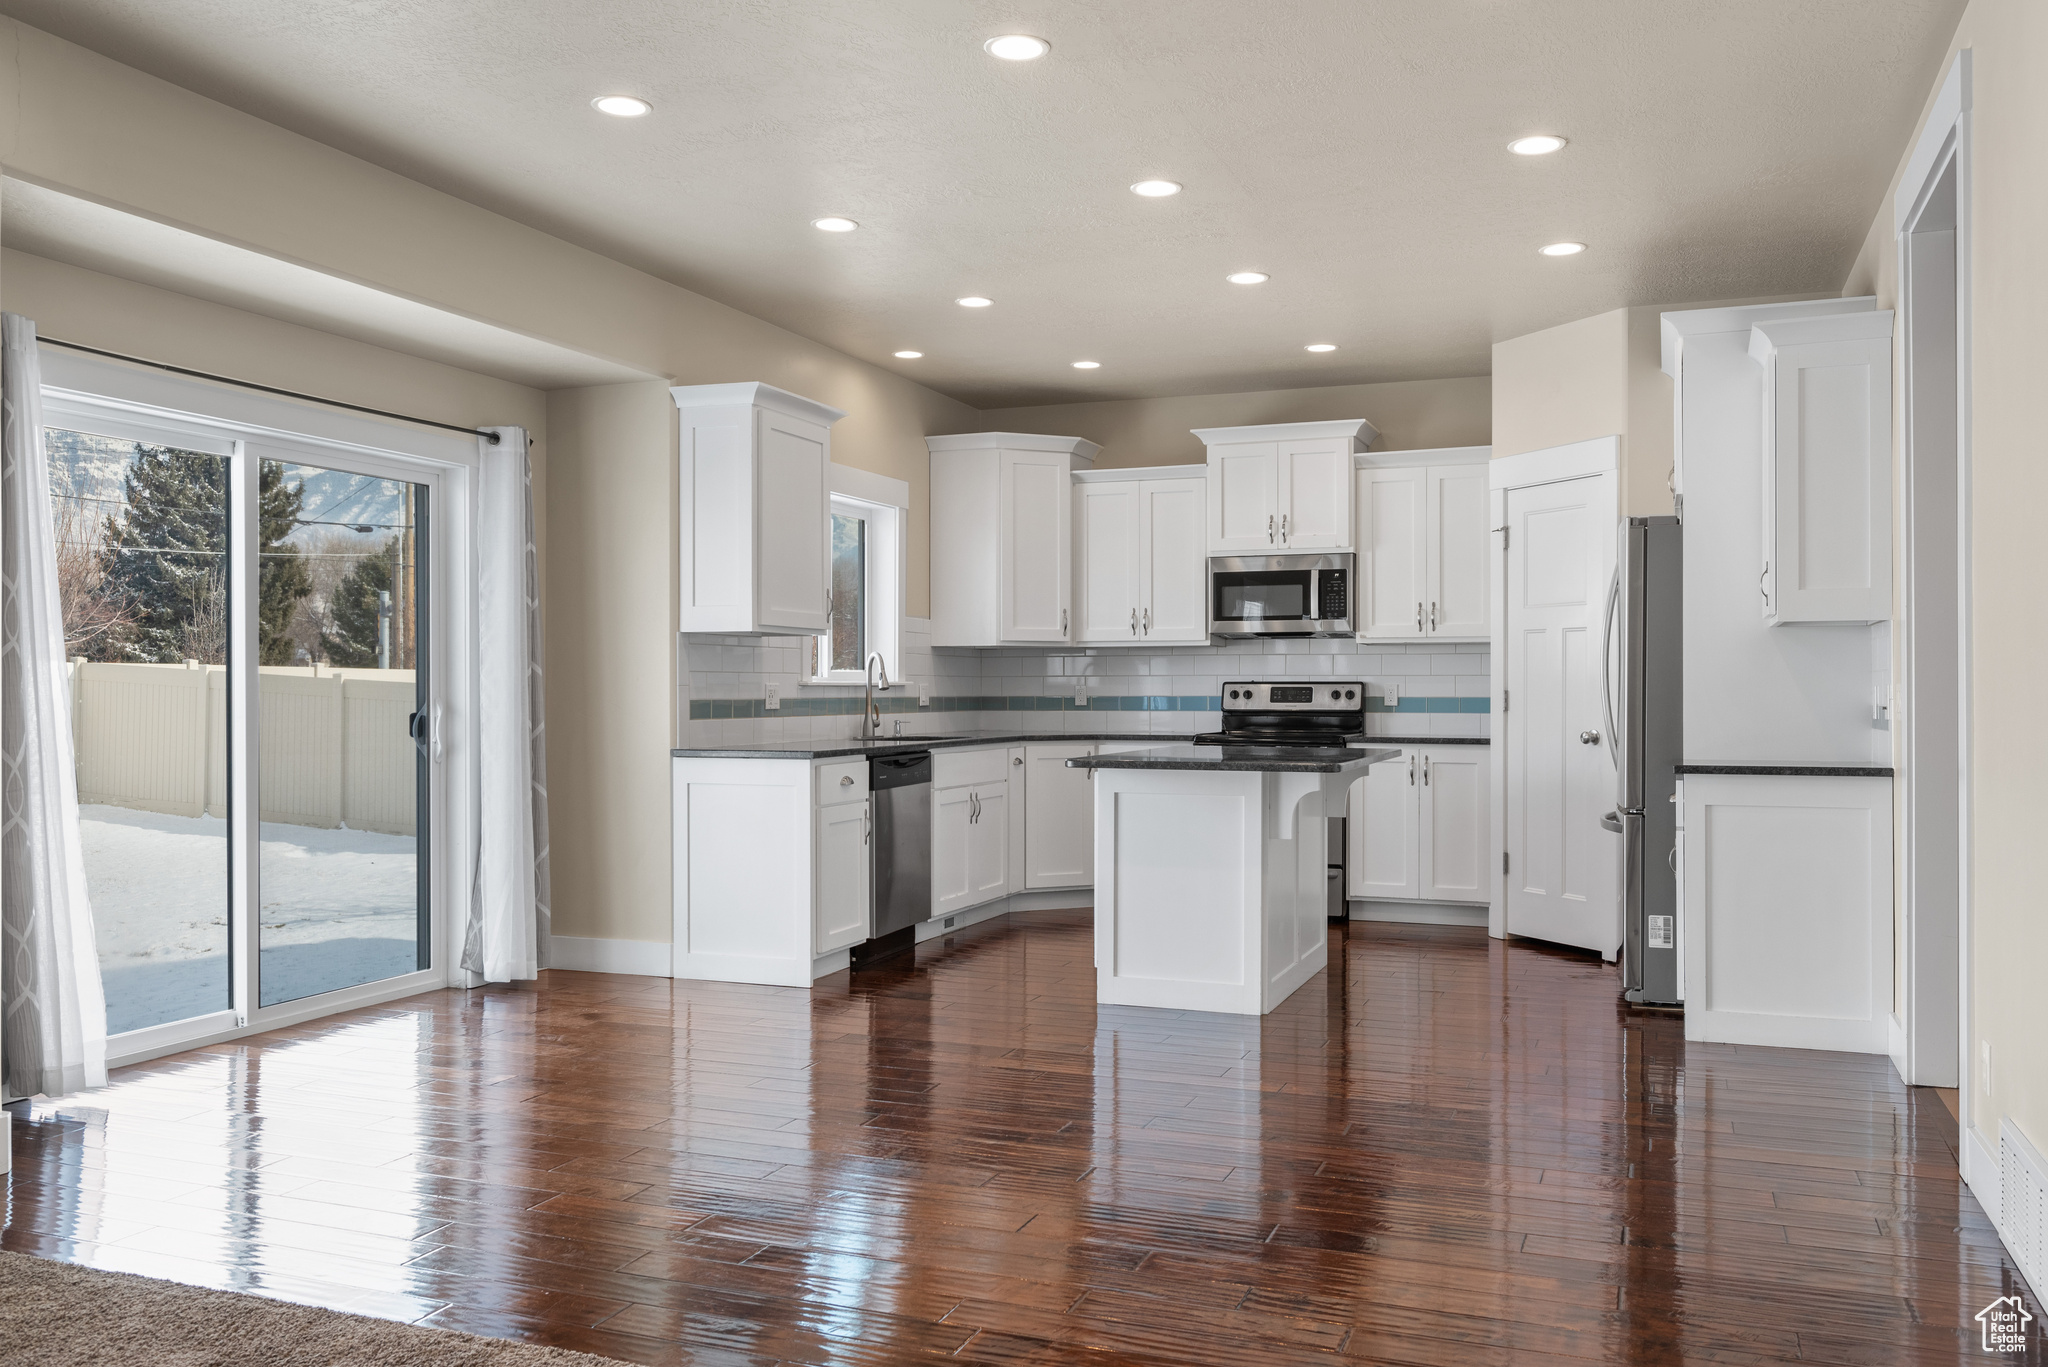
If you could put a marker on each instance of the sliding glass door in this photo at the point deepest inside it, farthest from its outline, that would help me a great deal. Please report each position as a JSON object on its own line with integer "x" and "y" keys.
{"x": 251, "y": 631}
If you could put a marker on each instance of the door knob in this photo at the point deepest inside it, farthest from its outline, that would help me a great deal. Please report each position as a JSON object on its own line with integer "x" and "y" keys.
{"x": 1589, "y": 737}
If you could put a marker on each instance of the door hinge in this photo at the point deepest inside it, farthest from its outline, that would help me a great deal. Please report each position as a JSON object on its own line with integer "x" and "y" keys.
{"x": 1506, "y": 535}
{"x": 1503, "y": 700}
{"x": 1503, "y": 863}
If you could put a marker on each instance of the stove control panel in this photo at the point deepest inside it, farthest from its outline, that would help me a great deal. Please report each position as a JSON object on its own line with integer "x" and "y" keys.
{"x": 1324, "y": 695}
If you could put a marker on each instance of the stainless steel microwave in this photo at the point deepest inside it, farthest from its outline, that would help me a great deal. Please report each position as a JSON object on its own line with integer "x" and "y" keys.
{"x": 1281, "y": 595}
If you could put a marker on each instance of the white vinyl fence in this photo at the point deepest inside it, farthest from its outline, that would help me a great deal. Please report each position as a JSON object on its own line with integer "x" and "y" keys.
{"x": 334, "y": 750}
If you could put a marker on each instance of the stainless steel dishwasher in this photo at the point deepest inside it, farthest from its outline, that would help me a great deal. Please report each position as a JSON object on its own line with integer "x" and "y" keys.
{"x": 900, "y": 786}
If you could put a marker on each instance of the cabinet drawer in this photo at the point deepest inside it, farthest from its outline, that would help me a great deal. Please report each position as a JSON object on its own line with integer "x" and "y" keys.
{"x": 841, "y": 781}
{"x": 951, "y": 768}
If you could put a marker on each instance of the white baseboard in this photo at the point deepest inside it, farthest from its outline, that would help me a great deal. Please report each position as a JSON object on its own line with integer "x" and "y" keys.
{"x": 1981, "y": 1174}
{"x": 579, "y": 954}
{"x": 1418, "y": 913}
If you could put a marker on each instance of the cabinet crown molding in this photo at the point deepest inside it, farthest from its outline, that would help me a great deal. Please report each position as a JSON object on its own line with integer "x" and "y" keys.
{"x": 1357, "y": 428}
{"x": 1129, "y": 473}
{"x": 1440, "y": 455}
{"x": 1674, "y": 328}
{"x": 1765, "y": 338}
{"x": 757, "y": 395}
{"x": 1079, "y": 447}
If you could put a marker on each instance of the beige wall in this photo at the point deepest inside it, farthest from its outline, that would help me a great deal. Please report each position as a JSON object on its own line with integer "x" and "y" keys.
{"x": 2009, "y": 485}
{"x": 1563, "y": 384}
{"x": 1411, "y": 415}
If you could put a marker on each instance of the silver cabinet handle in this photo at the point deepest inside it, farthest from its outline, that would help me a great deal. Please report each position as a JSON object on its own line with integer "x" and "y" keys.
{"x": 846, "y": 780}
{"x": 973, "y": 808}
{"x": 1762, "y": 575}
{"x": 1418, "y": 616}
{"x": 1016, "y": 759}
{"x": 1063, "y": 622}
{"x": 1269, "y": 529}
{"x": 1425, "y": 771}
{"x": 1134, "y": 621}
{"x": 1432, "y": 617}
{"x": 1411, "y": 771}
{"x": 1283, "y": 529}
{"x": 1148, "y": 621}
{"x": 867, "y": 823}
{"x": 1589, "y": 737}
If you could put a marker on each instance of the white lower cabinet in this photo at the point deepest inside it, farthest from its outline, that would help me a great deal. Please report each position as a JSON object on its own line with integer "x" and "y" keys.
{"x": 1059, "y": 818}
{"x": 1418, "y": 827}
{"x": 840, "y": 872}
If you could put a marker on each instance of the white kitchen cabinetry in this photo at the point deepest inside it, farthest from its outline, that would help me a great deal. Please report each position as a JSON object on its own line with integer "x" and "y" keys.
{"x": 756, "y": 510}
{"x": 1418, "y": 827}
{"x": 1785, "y": 911}
{"x": 1059, "y": 818}
{"x": 1140, "y": 569}
{"x": 1827, "y": 468}
{"x": 1001, "y": 527}
{"x": 1282, "y": 488}
{"x": 1423, "y": 548}
{"x": 843, "y": 831}
{"x": 970, "y": 828}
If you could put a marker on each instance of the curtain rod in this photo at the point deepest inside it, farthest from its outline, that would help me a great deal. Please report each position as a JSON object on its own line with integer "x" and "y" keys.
{"x": 491, "y": 437}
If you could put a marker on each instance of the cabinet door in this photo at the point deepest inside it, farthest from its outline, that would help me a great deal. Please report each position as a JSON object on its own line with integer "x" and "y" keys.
{"x": 1392, "y": 505}
{"x": 1173, "y": 596}
{"x": 988, "y": 844}
{"x": 1313, "y": 493}
{"x": 1381, "y": 830}
{"x": 1454, "y": 823}
{"x": 1015, "y": 807}
{"x": 1034, "y": 557}
{"x": 1059, "y": 818}
{"x": 1239, "y": 494}
{"x": 793, "y": 522}
{"x": 952, "y": 812}
{"x": 839, "y": 901}
{"x": 1828, "y": 466}
{"x": 1108, "y": 551}
{"x": 1457, "y": 550}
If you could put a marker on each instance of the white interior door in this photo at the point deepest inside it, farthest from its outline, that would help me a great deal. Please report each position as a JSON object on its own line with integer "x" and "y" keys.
{"x": 1458, "y": 551}
{"x": 1174, "y": 573}
{"x": 1380, "y": 830}
{"x": 1391, "y": 521}
{"x": 1563, "y": 878}
{"x": 1107, "y": 557}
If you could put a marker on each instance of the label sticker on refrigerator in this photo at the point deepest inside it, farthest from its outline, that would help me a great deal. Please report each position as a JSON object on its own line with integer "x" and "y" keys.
{"x": 1660, "y": 932}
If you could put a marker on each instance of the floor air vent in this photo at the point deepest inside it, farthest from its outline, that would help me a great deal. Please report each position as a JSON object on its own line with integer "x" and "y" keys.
{"x": 2023, "y": 1194}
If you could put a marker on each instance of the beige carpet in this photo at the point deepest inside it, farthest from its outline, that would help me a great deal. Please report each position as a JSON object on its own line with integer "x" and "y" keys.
{"x": 58, "y": 1315}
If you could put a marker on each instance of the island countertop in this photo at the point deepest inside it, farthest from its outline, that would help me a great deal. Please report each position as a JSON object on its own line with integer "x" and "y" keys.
{"x": 1245, "y": 759}
{"x": 897, "y": 745}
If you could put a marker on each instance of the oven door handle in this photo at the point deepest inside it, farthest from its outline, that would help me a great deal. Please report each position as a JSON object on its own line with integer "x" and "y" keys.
{"x": 1315, "y": 595}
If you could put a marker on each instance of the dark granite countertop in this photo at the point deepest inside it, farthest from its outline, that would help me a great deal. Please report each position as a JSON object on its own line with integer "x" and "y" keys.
{"x": 902, "y": 745}
{"x": 1429, "y": 740}
{"x": 1823, "y": 769}
{"x": 1245, "y": 759}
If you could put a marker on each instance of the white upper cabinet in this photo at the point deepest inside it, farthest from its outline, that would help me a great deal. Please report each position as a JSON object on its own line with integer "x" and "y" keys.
{"x": 1001, "y": 526}
{"x": 1423, "y": 548}
{"x": 1827, "y": 483}
{"x": 756, "y": 510}
{"x": 1140, "y": 571}
{"x": 1282, "y": 488}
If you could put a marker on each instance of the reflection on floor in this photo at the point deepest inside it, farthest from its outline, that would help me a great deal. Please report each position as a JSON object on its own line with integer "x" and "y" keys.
{"x": 1445, "y": 1150}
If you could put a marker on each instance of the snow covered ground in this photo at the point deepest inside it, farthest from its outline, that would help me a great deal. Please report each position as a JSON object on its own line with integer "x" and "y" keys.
{"x": 339, "y": 908}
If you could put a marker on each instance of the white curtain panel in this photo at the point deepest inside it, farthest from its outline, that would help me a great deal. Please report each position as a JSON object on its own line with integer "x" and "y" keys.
{"x": 53, "y": 1009}
{"x": 507, "y": 935}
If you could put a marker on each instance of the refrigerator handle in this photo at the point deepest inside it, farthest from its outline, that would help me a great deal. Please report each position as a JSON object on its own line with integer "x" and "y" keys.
{"x": 1607, "y": 665}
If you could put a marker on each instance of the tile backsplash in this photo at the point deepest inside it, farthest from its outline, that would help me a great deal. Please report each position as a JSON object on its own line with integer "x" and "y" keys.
{"x": 1444, "y": 689}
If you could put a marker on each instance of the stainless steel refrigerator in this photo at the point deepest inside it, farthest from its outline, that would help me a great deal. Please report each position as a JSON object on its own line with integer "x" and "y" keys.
{"x": 1645, "y": 705}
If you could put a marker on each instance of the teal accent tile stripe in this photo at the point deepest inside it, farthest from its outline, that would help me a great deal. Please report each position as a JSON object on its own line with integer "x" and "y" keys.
{"x": 1414, "y": 705}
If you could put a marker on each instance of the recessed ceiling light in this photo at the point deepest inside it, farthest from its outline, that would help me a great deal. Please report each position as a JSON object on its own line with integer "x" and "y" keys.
{"x": 834, "y": 225}
{"x": 1087, "y": 365}
{"x": 1016, "y": 47}
{"x": 1320, "y": 346}
{"x": 1156, "y": 189}
{"x": 1536, "y": 144}
{"x": 1248, "y": 278}
{"x": 622, "y": 106}
{"x": 1563, "y": 249}
{"x": 910, "y": 355}
{"x": 974, "y": 301}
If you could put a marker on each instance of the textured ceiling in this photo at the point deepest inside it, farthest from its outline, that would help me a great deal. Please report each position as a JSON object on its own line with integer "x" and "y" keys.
{"x": 1354, "y": 149}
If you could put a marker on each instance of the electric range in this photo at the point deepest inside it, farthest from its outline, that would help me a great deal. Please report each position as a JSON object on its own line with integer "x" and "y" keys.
{"x": 1291, "y": 715}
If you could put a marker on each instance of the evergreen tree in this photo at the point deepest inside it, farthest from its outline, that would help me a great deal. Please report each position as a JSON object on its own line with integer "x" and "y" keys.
{"x": 165, "y": 560}
{"x": 354, "y": 609}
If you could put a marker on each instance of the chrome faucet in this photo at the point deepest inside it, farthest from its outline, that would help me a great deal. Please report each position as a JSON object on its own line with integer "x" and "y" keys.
{"x": 871, "y": 715}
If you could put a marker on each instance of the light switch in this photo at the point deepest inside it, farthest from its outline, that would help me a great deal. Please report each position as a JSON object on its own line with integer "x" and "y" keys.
{"x": 924, "y": 693}
{"x": 774, "y": 703}
{"x": 1080, "y": 695}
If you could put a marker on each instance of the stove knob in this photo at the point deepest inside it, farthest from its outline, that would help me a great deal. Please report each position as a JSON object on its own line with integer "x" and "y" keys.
{"x": 1350, "y": 693}
{"x": 1333, "y": 695}
{"x": 1233, "y": 693}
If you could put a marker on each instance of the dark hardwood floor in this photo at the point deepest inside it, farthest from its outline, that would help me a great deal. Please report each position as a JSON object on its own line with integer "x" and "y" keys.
{"x": 1448, "y": 1150}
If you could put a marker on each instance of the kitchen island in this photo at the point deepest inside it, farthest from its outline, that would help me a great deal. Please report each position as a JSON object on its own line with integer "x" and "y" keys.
{"x": 1210, "y": 868}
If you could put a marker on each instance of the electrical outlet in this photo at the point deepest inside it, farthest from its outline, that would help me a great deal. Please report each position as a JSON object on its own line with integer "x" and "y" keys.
{"x": 1080, "y": 695}
{"x": 924, "y": 694}
{"x": 1391, "y": 693}
{"x": 774, "y": 703}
